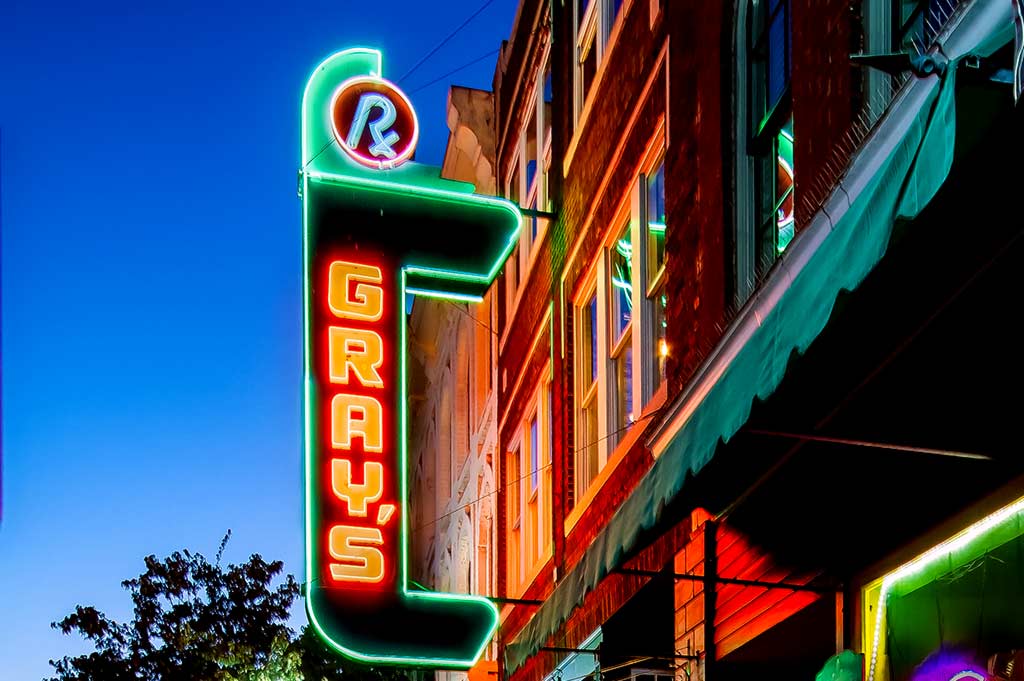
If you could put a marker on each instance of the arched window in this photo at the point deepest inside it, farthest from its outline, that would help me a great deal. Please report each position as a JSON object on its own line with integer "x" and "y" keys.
{"x": 764, "y": 139}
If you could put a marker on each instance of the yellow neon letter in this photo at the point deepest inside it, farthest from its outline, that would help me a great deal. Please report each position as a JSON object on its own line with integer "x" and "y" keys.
{"x": 356, "y": 497}
{"x": 363, "y": 351}
{"x": 356, "y": 546}
{"x": 367, "y": 303}
{"x": 353, "y": 415}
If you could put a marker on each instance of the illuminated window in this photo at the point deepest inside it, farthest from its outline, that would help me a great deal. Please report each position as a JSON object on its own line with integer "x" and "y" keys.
{"x": 619, "y": 327}
{"x": 594, "y": 22}
{"x": 656, "y": 228}
{"x": 620, "y": 315}
{"x": 588, "y": 446}
{"x": 530, "y": 542}
{"x": 764, "y": 151}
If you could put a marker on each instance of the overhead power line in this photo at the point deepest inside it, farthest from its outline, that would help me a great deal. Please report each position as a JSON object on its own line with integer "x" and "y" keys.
{"x": 444, "y": 42}
{"x": 455, "y": 70}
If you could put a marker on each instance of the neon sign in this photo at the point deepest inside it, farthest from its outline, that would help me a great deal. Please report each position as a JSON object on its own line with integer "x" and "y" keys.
{"x": 375, "y": 230}
{"x": 373, "y": 122}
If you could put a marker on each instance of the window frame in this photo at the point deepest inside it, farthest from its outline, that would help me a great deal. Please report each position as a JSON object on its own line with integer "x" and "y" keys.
{"x": 636, "y": 337}
{"x": 532, "y": 534}
{"x": 592, "y": 31}
{"x": 588, "y": 397}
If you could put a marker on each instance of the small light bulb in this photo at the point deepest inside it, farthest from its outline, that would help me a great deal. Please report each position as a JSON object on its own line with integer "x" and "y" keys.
{"x": 663, "y": 347}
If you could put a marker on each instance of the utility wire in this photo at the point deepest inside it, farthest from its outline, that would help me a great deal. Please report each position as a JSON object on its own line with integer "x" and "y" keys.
{"x": 532, "y": 472}
{"x": 466, "y": 312}
{"x": 444, "y": 42}
{"x": 455, "y": 70}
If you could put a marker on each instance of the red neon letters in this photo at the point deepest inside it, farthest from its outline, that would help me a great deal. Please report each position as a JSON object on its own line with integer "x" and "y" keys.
{"x": 360, "y": 504}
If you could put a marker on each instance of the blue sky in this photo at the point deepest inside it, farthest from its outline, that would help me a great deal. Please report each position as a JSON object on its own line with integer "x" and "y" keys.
{"x": 151, "y": 280}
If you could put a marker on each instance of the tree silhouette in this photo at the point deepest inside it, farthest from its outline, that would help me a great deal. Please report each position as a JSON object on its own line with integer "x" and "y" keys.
{"x": 196, "y": 620}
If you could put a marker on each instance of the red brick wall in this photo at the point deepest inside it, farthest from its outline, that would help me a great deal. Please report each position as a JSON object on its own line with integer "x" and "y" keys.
{"x": 695, "y": 182}
{"x": 823, "y": 100}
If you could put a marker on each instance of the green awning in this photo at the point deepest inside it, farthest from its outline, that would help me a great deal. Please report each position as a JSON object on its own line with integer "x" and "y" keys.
{"x": 893, "y": 176}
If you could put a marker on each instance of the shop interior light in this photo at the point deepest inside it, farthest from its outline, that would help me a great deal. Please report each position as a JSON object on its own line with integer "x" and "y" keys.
{"x": 975, "y": 532}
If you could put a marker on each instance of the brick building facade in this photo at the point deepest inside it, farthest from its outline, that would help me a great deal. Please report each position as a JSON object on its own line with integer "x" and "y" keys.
{"x": 680, "y": 163}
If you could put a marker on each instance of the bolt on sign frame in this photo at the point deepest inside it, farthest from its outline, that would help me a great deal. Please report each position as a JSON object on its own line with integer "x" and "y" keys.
{"x": 376, "y": 228}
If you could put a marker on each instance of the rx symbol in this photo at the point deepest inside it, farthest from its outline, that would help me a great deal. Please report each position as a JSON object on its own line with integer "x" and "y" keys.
{"x": 380, "y": 128}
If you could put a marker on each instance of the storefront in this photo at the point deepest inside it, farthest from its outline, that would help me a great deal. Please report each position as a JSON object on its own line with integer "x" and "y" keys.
{"x": 953, "y": 611}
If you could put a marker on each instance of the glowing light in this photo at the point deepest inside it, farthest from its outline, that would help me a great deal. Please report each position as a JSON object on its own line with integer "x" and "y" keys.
{"x": 941, "y": 551}
{"x": 357, "y": 415}
{"x": 662, "y": 347}
{"x": 351, "y": 107}
{"x": 968, "y": 675}
{"x": 356, "y": 349}
{"x": 362, "y": 553}
{"x": 357, "y": 497}
{"x": 364, "y": 303}
{"x": 357, "y": 547}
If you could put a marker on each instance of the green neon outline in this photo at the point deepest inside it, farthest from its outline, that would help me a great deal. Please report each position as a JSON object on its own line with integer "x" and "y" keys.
{"x": 462, "y": 297}
{"x": 440, "y": 274}
{"x": 972, "y": 535}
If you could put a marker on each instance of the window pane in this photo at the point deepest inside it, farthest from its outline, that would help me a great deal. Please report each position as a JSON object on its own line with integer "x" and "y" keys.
{"x": 548, "y": 89}
{"x": 616, "y": 6}
{"x": 534, "y": 454}
{"x": 656, "y": 223}
{"x": 778, "y": 76}
{"x": 784, "y": 199}
{"x": 588, "y": 69}
{"x": 623, "y": 391}
{"x": 581, "y": 9}
{"x": 620, "y": 295}
{"x": 588, "y": 342}
{"x": 513, "y": 183}
{"x": 658, "y": 334}
{"x": 515, "y": 466}
{"x": 587, "y": 452}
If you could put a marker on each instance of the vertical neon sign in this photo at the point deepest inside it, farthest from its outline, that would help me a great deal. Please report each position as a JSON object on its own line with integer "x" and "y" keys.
{"x": 377, "y": 227}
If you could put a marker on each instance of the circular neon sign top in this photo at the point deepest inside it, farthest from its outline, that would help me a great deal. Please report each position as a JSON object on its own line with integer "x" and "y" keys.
{"x": 374, "y": 122}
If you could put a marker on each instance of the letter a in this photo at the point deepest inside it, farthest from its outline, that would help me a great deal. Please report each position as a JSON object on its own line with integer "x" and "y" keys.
{"x": 356, "y": 546}
{"x": 356, "y": 497}
{"x": 353, "y": 415}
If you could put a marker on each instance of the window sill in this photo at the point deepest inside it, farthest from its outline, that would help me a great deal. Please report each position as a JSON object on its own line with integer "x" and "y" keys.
{"x": 629, "y": 439}
{"x": 518, "y": 590}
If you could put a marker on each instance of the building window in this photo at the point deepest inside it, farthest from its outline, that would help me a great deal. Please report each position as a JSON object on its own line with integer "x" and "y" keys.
{"x": 619, "y": 324}
{"x": 587, "y": 460}
{"x": 764, "y": 163}
{"x": 655, "y": 226}
{"x": 620, "y": 347}
{"x": 527, "y": 182}
{"x": 530, "y": 540}
{"x": 513, "y": 495}
{"x": 594, "y": 22}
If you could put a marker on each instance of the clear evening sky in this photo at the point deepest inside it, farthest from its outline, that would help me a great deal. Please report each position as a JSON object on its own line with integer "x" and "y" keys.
{"x": 151, "y": 279}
